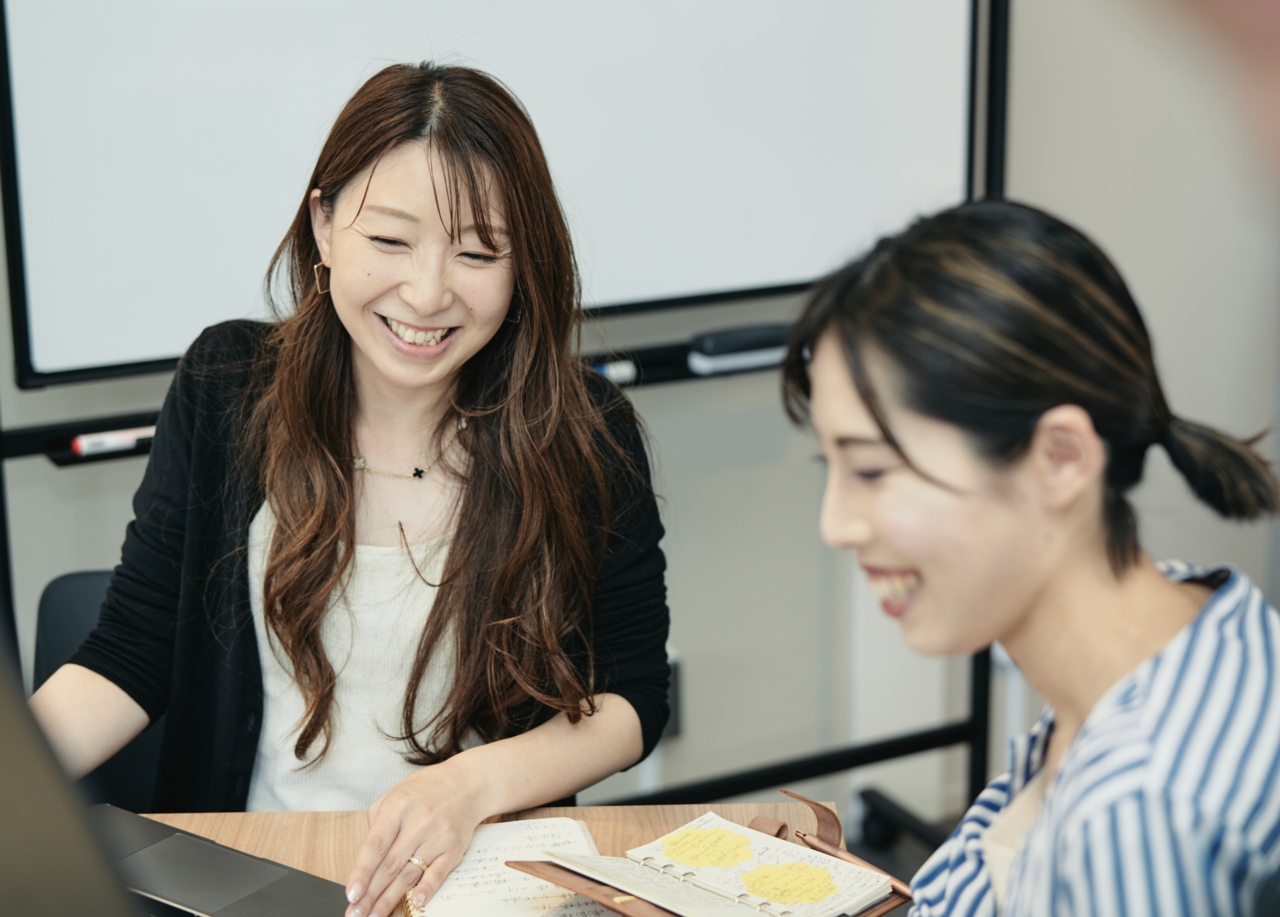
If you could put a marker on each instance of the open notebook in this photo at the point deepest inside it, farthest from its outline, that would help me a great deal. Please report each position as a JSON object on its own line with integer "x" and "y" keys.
{"x": 713, "y": 868}
{"x": 482, "y": 884}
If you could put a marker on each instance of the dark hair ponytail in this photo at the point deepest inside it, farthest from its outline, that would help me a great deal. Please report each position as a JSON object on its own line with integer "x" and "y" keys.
{"x": 996, "y": 312}
{"x": 1225, "y": 473}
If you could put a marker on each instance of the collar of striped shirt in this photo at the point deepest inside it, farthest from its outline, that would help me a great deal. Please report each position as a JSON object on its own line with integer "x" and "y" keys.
{"x": 1165, "y": 803}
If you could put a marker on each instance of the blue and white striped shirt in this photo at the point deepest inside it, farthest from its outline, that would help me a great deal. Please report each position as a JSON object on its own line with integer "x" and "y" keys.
{"x": 1168, "y": 800}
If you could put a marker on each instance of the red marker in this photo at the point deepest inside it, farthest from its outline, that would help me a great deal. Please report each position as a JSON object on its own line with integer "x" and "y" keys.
{"x": 111, "y": 441}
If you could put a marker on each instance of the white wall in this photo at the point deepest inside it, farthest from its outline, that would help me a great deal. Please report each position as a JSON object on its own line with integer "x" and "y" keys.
{"x": 1121, "y": 120}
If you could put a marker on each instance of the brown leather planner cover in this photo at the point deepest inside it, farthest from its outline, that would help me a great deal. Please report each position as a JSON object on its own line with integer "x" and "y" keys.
{"x": 620, "y": 902}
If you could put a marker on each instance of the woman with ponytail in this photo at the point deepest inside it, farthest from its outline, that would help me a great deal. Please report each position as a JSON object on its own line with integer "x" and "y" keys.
{"x": 396, "y": 549}
{"x": 984, "y": 392}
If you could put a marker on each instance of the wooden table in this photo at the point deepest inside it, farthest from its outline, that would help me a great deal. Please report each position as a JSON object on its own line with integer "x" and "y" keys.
{"x": 325, "y": 843}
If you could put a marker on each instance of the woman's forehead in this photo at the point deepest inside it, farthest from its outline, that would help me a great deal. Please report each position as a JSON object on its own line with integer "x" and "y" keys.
{"x": 837, "y": 409}
{"x": 449, "y": 171}
{"x": 420, "y": 169}
{"x": 842, "y": 418}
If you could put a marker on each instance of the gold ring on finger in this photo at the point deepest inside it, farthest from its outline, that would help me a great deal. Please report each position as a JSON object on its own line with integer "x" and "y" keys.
{"x": 419, "y": 862}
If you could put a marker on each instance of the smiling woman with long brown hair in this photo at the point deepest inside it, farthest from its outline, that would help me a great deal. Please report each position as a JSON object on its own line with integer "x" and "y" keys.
{"x": 397, "y": 549}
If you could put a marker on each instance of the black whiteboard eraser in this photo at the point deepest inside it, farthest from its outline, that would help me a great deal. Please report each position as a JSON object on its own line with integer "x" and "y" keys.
{"x": 734, "y": 350}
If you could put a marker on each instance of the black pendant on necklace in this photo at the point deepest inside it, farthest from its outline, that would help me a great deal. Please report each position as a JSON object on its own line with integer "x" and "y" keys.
{"x": 419, "y": 472}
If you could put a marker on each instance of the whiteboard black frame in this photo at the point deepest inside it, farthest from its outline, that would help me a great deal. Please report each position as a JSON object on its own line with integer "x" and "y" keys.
{"x": 27, "y": 377}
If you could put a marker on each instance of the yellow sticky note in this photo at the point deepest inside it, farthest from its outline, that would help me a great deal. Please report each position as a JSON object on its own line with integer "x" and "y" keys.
{"x": 791, "y": 883}
{"x": 718, "y": 847}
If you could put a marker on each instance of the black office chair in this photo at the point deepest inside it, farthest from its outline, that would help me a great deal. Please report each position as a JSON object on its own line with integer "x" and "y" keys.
{"x": 68, "y": 611}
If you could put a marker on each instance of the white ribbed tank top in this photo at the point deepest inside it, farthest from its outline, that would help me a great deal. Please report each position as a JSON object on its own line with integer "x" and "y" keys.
{"x": 370, "y": 635}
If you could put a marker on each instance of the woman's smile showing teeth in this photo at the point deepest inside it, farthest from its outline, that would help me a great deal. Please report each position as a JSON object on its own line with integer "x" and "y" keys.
{"x": 893, "y": 588}
{"x": 414, "y": 336}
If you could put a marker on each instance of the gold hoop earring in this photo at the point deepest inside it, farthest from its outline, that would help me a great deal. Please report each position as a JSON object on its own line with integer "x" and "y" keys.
{"x": 516, "y": 320}
{"x": 317, "y": 271}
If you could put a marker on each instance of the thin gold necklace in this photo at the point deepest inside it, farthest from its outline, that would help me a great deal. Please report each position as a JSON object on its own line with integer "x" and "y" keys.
{"x": 418, "y": 473}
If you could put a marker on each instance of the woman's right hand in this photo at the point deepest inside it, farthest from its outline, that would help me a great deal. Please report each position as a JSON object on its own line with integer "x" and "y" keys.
{"x": 430, "y": 814}
{"x": 86, "y": 718}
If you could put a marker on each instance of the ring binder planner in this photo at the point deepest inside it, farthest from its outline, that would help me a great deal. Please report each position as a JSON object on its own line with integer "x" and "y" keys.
{"x": 714, "y": 862}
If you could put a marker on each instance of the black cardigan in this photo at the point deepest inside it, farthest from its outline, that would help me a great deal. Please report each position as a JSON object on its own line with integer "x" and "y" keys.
{"x": 176, "y": 631}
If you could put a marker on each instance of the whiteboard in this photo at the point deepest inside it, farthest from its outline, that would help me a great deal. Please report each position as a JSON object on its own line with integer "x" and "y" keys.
{"x": 698, "y": 147}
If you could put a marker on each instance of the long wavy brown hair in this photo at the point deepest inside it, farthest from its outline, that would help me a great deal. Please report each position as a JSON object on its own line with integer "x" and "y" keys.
{"x": 534, "y": 512}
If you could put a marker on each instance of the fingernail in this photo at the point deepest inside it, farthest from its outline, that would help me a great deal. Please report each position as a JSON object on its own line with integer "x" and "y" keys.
{"x": 356, "y": 912}
{"x": 419, "y": 899}
{"x": 353, "y": 895}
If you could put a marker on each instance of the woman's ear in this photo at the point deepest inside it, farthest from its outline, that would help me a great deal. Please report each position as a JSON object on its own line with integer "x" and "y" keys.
{"x": 321, "y": 224}
{"x": 1067, "y": 456}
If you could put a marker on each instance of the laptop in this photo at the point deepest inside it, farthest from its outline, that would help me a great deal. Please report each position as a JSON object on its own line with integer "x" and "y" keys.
{"x": 56, "y": 857}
